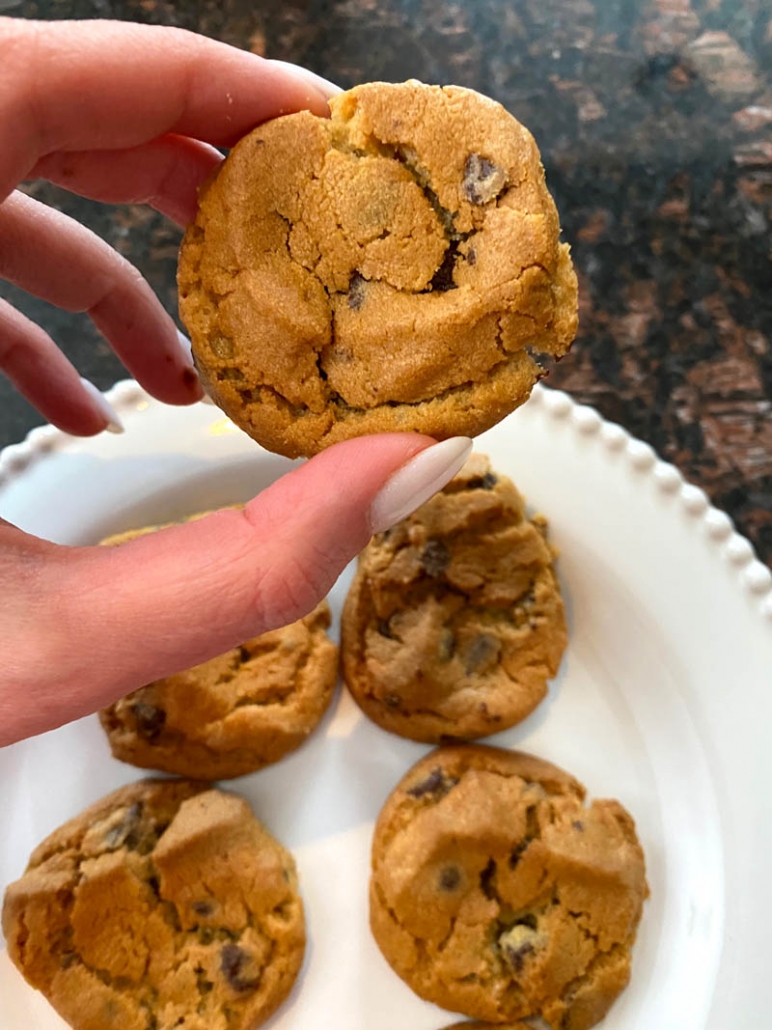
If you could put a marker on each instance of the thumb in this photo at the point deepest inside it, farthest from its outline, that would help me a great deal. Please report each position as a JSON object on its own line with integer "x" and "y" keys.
{"x": 131, "y": 614}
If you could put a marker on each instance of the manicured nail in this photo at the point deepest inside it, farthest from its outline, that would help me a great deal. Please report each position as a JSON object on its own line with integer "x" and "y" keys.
{"x": 114, "y": 424}
{"x": 186, "y": 347}
{"x": 324, "y": 86}
{"x": 417, "y": 481}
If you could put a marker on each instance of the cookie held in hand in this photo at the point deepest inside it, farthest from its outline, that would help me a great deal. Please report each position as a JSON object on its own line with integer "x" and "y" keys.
{"x": 498, "y": 893}
{"x": 396, "y": 267}
{"x": 454, "y": 622}
{"x": 165, "y": 904}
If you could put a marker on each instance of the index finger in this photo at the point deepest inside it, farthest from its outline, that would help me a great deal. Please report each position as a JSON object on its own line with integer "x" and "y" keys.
{"x": 108, "y": 85}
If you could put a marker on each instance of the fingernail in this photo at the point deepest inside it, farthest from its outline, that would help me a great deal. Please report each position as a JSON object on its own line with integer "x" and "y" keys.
{"x": 185, "y": 344}
{"x": 187, "y": 347}
{"x": 114, "y": 424}
{"x": 324, "y": 86}
{"x": 417, "y": 481}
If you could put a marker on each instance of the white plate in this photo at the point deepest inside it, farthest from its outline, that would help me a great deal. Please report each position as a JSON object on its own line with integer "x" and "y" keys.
{"x": 664, "y": 700}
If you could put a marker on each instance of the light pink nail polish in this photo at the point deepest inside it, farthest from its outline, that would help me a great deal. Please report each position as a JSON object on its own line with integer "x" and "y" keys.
{"x": 114, "y": 424}
{"x": 417, "y": 481}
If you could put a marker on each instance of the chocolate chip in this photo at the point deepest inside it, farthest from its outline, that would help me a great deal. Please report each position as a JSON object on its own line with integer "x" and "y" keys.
{"x": 356, "y": 291}
{"x": 450, "y": 878}
{"x": 519, "y": 942}
{"x": 125, "y": 831}
{"x": 471, "y": 256}
{"x": 435, "y": 557}
{"x": 149, "y": 720}
{"x": 483, "y": 651}
{"x": 518, "y": 851}
{"x": 383, "y": 627}
{"x": 442, "y": 281}
{"x": 483, "y": 180}
{"x": 435, "y": 783}
{"x": 578, "y": 825}
{"x": 516, "y": 956}
{"x": 446, "y": 646}
{"x": 486, "y": 482}
{"x": 231, "y": 375}
{"x": 487, "y": 880}
{"x": 222, "y": 347}
{"x": 202, "y": 908}
{"x": 234, "y": 965}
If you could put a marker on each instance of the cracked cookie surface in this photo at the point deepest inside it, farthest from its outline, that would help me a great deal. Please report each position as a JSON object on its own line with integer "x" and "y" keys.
{"x": 393, "y": 267}
{"x": 165, "y": 904}
{"x": 466, "y": 1025}
{"x": 234, "y": 714}
{"x": 454, "y": 622}
{"x": 497, "y": 893}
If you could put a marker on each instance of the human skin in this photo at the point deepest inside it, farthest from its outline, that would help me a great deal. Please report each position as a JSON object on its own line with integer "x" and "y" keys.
{"x": 128, "y": 113}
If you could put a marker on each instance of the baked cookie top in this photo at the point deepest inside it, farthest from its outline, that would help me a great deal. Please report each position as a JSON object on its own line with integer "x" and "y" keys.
{"x": 236, "y": 713}
{"x": 394, "y": 267}
{"x": 164, "y": 904}
{"x": 466, "y": 1025}
{"x": 454, "y": 621}
{"x": 496, "y": 892}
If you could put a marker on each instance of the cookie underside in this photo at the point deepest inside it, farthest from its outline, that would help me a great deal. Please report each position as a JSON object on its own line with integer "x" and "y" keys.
{"x": 397, "y": 267}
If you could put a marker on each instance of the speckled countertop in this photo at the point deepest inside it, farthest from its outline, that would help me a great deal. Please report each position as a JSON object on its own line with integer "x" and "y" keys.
{"x": 654, "y": 120}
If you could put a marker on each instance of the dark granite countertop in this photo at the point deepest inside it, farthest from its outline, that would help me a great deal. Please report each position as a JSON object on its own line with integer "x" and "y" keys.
{"x": 654, "y": 120}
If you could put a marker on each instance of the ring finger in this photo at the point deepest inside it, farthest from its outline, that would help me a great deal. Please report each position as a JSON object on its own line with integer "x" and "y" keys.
{"x": 80, "y": 272}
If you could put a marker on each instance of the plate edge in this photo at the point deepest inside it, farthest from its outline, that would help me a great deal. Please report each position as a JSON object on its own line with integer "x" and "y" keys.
{"x": 752, "y": 575}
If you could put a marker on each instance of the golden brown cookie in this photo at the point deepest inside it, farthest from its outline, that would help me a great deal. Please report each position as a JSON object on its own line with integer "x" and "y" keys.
{"x": 394, "y": 267}
{"x": 166, "y": 904}
{"x": 234, "y": 714}
{"x": 466, "y": 1025}
{"x": 454, "y": 622}
{"x": 495, "y": 892}
{"x": 132, "y": 534}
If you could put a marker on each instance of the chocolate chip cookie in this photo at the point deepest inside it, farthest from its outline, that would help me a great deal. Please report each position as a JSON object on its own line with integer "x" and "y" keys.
{"x": 165, "y": 904}
{"x": 466, "y": 1025}
{"x": 454, "y": 622}
{"x": 234, "y": 714}
{"x": 394, "y": 267}
{"x": 496, "y": 892}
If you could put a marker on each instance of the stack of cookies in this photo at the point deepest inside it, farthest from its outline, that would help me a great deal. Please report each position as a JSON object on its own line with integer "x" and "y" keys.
{"x": 495, "y": 890}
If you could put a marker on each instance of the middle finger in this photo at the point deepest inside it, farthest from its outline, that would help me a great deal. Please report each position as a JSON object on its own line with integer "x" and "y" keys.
{"x": 60, "y": 261}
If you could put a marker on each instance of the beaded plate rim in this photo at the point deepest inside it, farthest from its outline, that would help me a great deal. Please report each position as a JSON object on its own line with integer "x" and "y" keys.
{"x": 752, "y": 575}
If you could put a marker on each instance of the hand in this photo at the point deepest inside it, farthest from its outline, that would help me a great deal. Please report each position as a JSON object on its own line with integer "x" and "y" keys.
{"x": 127, "y": 114}
{"x": 130, "y": 113}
